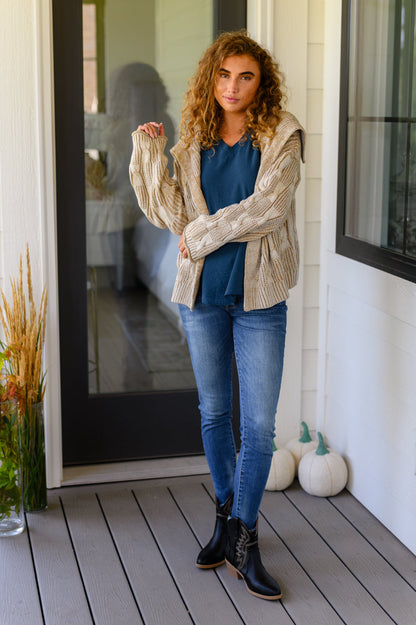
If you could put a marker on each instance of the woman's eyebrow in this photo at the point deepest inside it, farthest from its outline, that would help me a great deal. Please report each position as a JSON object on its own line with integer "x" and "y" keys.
{"x": 240, "y": 74}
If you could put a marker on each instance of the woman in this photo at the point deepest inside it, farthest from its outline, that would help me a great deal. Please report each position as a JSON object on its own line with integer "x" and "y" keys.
{"x": 237, "y": 166}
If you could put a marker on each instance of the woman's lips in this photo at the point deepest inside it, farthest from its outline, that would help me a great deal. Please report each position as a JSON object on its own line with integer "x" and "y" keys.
{"x": 231, "y": 100}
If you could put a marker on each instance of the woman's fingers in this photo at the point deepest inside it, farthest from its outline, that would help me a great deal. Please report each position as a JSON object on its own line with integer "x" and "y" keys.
{"x": 153, "y": 129}
{"x": 182, "y": 247}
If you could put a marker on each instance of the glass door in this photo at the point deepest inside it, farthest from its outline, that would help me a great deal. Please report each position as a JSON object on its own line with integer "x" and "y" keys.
{"x": 133, "y": 72}
{"x": 127, "y": 383}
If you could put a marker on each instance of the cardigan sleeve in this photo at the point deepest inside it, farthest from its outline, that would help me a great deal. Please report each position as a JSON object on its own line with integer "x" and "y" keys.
{"x": 256, "y": 216}
{"x": 159, "y": 197}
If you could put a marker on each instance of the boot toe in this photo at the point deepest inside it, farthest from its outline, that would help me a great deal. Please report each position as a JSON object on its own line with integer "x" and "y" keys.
{"x": 269, "y": 589}
{"x": 210, "y": 557}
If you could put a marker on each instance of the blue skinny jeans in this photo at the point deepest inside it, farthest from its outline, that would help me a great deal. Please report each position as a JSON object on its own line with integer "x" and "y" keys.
{"x": 257, "y": 338}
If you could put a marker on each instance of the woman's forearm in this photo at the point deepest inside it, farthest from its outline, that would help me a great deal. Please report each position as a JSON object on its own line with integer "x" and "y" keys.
{"x": 158, "y": 195}
{"x": 255, "y": 217}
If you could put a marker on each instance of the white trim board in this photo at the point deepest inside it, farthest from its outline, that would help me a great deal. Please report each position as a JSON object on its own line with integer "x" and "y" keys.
{"x": 135, "y": 470}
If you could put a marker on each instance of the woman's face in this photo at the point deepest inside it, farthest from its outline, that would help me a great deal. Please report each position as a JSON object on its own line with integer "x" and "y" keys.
{"x": 237, "y": 82}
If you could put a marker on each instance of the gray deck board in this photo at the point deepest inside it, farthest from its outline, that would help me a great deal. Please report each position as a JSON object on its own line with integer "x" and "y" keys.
{"x": 378, "y": 536}
{"x": 365, "y": 563}
{"x": 152, "y": 583}
{"x": 60, "y": 586}
{"x": 113, "y": 554}
{"x": 201, "y": 590}
{"x": 19, "y": 598}
{"x": 109, "y": 593}
{"x": 337, "y": 584}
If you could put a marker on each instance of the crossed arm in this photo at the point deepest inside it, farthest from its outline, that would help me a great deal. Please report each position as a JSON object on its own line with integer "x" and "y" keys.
{"x": 253, "y": 218}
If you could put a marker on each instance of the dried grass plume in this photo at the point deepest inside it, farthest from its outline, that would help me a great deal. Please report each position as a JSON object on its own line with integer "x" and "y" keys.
{"x": 24, "y": 332}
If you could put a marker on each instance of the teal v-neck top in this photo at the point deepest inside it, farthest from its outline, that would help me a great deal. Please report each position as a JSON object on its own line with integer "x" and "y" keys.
{"x": 228, "y": 176}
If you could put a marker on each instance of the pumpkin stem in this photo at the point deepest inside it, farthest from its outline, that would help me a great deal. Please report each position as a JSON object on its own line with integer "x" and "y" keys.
{"x": 274, "y": 446}
{"x": 322, "y": 449}
{"x": 306, "y": 437}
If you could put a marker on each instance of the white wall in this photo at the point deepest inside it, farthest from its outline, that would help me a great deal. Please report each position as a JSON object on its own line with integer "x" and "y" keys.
{"x": 290, "y": 48}
{"x": 367, "y": 394}
{"x": 27, "y": 197}
{"x": 311, "y": 255}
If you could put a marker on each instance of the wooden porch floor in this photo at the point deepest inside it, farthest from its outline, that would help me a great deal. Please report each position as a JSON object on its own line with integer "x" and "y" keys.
{"x": 123, "y": 554}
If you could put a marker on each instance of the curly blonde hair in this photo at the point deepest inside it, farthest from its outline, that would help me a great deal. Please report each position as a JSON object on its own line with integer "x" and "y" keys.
{"x": 202, "y": 115}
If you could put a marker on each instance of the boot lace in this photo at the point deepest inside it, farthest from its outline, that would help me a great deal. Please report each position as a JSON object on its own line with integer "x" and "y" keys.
{"x": 244, "y": 541}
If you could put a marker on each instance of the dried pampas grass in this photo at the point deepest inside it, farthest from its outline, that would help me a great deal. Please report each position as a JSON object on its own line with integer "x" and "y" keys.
{"x": 24, "y": 332}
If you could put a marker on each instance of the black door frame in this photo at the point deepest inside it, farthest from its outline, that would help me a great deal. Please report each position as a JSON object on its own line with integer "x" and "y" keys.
{"x": 94, "y": 425}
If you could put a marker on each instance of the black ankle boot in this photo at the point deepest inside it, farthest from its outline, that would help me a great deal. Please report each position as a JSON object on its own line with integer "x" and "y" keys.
{"x": 213, "y": 554}
{"x": 242, "y": 557}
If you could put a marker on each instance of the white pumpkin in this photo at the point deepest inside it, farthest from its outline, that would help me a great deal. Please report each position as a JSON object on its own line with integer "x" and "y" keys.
{"x": 301, "y": 446}
{"x": 323, "y": 472}
{"x": 282, "y": 470}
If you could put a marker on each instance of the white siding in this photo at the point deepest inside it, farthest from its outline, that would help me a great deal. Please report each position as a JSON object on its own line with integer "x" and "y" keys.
{"x": 311, "y": 252}
{"x": 367, "y": 357}
{"x": 27, "y": 191}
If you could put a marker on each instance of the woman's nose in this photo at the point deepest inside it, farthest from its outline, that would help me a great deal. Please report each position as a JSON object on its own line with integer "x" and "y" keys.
{"x": 233, "y": 85}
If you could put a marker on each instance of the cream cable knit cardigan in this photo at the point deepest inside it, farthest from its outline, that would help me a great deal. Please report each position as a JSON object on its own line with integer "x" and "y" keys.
{"x": 266, "y": 219}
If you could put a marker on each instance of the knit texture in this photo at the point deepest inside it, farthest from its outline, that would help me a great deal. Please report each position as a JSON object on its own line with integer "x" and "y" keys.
{"x": 265, "y": 220}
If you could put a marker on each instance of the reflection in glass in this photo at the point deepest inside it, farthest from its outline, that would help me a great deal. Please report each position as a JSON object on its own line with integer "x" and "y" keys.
{"x": 410, "y": 233}
{"x": 381, "y": 132}
{"x": 367, "y": 180}
{"x": 372, "y": 58}
{"x": 402, "y": 191}
{"x": 133, "y": 73}
{"x": 398, "y": 187}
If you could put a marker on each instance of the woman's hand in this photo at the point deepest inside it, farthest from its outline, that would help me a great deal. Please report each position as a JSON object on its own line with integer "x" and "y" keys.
{"x": 182, "y": 247}
{"x": 153, "y": 129}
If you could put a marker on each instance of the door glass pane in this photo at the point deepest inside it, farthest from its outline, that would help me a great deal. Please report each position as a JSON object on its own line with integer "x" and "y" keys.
{"x": 137, "y": 62}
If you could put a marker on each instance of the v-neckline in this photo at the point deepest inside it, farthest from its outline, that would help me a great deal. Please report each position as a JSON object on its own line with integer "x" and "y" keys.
{"x": 234, "y": 144}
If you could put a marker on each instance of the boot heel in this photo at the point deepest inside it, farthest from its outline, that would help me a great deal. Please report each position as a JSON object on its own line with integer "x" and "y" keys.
{"x": 233, "y": 571}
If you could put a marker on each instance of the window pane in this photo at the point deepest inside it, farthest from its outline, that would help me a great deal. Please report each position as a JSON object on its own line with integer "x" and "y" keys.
{"x": 368, "y": 173}
{"x": 372, "y": 58}
{"x": 411, "y": 210}
{"x": 380, "y": 167}
{"x": 401, "y": 36}
{"x": 398, "y": 186}
{"x": 414, "y": 73}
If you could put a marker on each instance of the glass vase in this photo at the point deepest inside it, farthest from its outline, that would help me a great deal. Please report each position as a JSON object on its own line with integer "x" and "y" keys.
{"x": 33, "y": 458}
{"x": 12, "y": 518}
